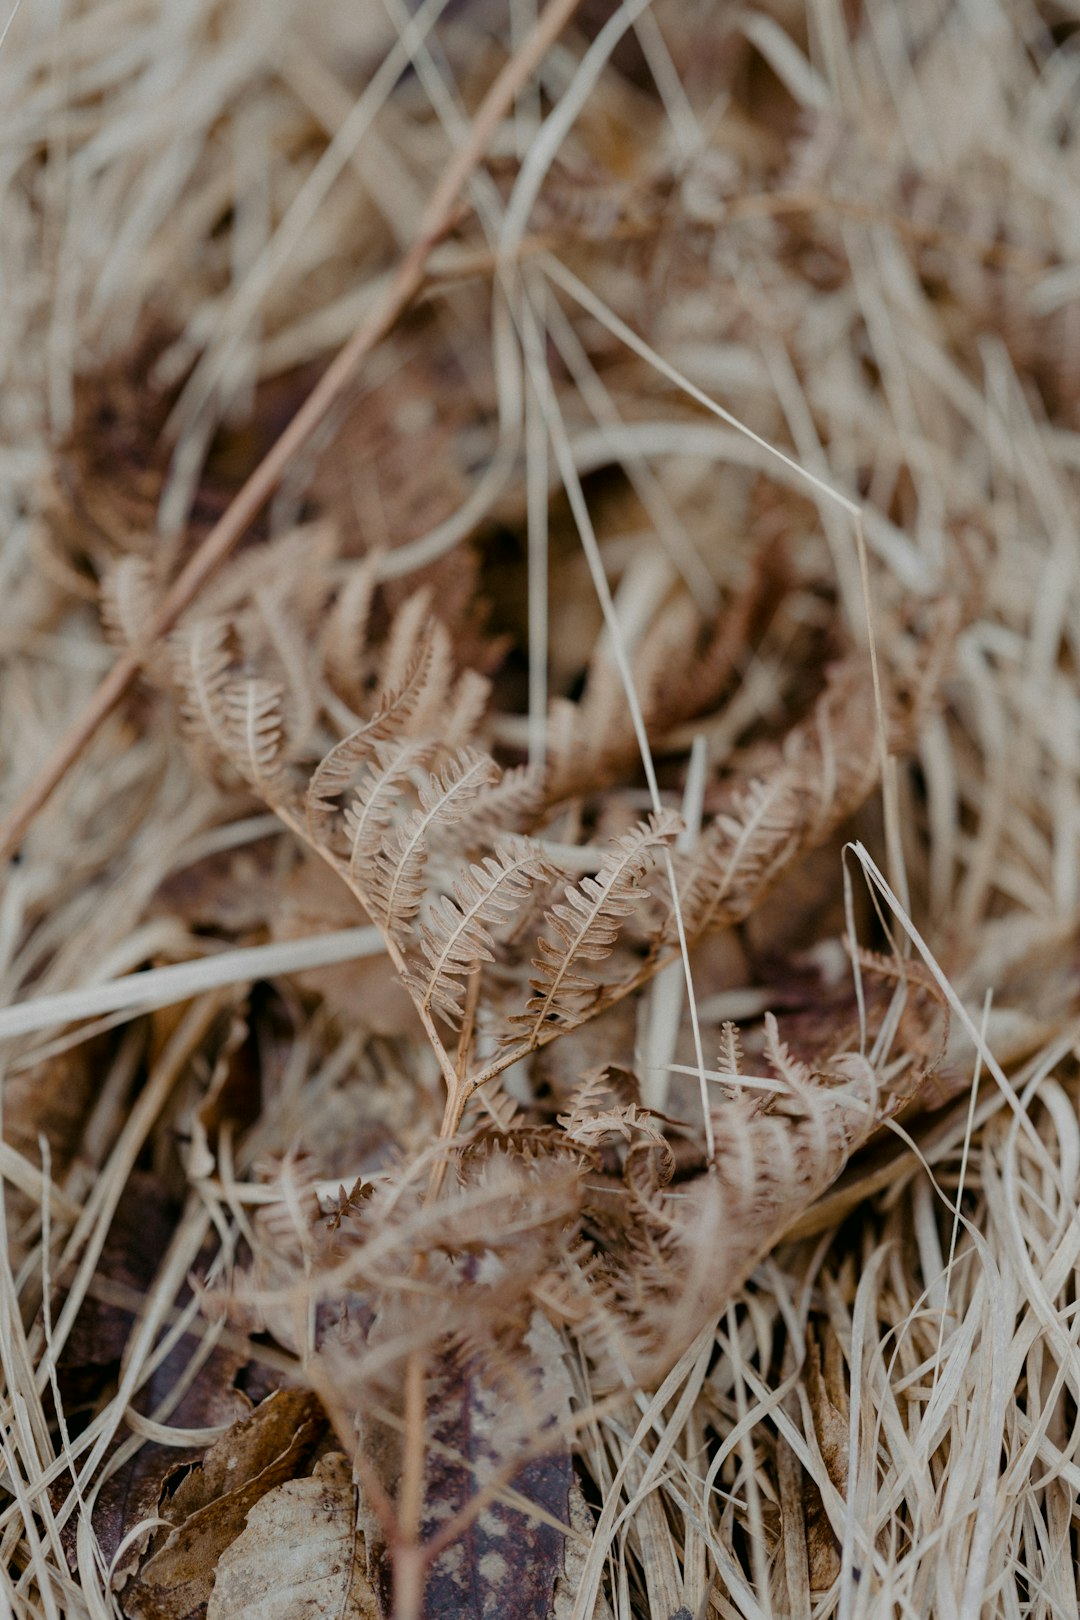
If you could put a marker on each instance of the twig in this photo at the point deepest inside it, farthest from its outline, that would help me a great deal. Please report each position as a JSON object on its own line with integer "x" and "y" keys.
{"x": 251, "y": 498}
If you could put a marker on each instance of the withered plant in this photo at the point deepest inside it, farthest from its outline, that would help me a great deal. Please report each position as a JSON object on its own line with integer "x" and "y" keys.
{"x": 540, "y": 969}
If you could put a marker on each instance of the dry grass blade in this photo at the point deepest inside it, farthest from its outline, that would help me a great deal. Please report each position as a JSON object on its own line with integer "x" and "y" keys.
{"x": 539, "y": 1052}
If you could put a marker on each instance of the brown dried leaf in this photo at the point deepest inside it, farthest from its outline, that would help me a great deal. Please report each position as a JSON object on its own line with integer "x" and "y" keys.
{"x": 300, "y": 1556}
{"x": 141, "y": 1231}
{"x": 507, "y": 1562}
{"x": 828, "y": 1405}
{"x": 212, "y": 1503}
{"x": 134, "y": 1491}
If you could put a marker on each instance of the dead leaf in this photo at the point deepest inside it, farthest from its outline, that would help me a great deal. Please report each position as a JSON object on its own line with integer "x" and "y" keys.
{"x": 828, "y": 1405}
{"x": 211, "y": 1505}
{"x": 232, "y": 1093}
{"x": 140, "y": 1234}
{"x": 300, "y": 1556}
{"x": 575, "y": 1557}
{"x": 134, "y": 1491}
{"x": 508, "y": 1561}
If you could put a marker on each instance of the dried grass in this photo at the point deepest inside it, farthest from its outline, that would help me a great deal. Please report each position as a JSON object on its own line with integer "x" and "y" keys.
{"x": 847, "y": 231}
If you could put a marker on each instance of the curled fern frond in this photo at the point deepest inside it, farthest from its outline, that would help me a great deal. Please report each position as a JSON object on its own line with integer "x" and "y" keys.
{"x": 586, "y": 926}
{"x": 456, "y": 935}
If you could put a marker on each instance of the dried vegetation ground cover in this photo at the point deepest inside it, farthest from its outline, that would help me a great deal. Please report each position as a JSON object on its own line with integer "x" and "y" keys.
{"x": 539, "y": 1035}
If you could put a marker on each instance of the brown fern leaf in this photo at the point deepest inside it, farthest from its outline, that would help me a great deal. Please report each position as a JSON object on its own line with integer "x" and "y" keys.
{"x": 592, "y": 1094}
{"x": 128, "y": 598}
{"x": 741, "y": 854}
{"x": 336, "y": 770}
{"x": 201, "y": 664}
{"x": 513, "y": 804}
{"x": 649, "y": 1169}
{"x": 455, "y": 937}
{"x": 394, "y": 879}
{"x": 590, "y": 741}
{"x": 409, "y": 626}
{"x": 255, "y": 733}
{"x": 795, "y": 1074}
{"x": 669, "y": 645}
{"x": 824, "y": 770}
{"x": 500, "y": 1108}
{"x": 619, "y": 1123}
{"x": 688, "y": 1255}
{"x": 429, "y": 711}
{"x": 587, "y": 926}
{"x": 368, "y": 818}
{"x": 837, "y": 750}
{"x": 465, "y": 708}
{"x": 346, "y": 634}
{"x": 731, "y": 1052}
{"x": 280, "y": 621}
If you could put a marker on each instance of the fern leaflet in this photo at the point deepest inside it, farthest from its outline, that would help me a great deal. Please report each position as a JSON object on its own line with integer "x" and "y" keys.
{"x": 587, "y": 926}
{"x": 455, "y": 937}
{"x": 368, "y": 818}
{"x": 201, "y": 662}
{"x": 336, "y": 770}
{"x": 394, "y": 878}
{"x": 254, "y": 732}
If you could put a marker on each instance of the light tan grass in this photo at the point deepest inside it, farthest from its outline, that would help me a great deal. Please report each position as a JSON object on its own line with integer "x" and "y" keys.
{"x": 951, "y": 1478}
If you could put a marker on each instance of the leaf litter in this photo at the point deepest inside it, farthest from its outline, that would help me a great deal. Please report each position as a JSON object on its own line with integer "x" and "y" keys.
{"x": 539, "y": 1019}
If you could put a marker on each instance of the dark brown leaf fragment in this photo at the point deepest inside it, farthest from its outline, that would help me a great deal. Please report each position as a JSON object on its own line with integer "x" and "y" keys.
{"x": 211, "y": 1505}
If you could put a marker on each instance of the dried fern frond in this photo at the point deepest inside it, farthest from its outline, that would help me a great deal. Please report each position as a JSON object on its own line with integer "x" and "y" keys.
{"x": 586, "y": 925}
{"x": 822, "y": 772}
{"x": 129, "y": 592}
{"x": 685, "y": 1256}
{"x": 346, "y": 632}
{"x": 254, "y": 733}
{"x": 745, "y": 848}
{"x": 371, "y": 813}
{"x": 202, "y": 663}
{"x": 459, "y": 718}
{"x": 455, "y": 935}
{"x": 513, "y": 804}
{"x": 336, "y": 770}
{"x": 394, "y": 877}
